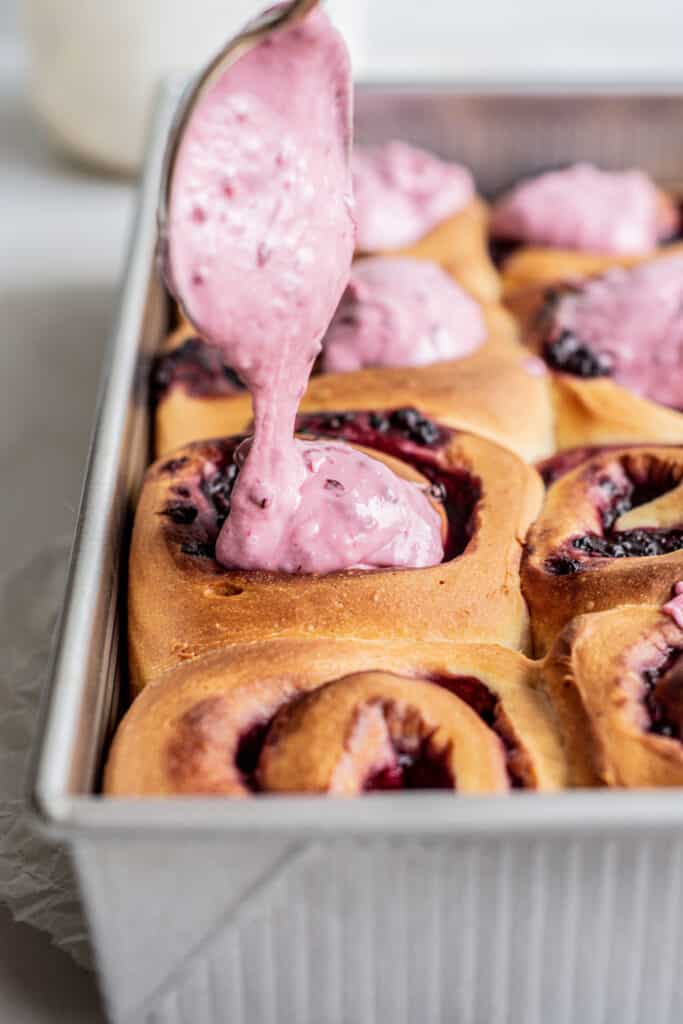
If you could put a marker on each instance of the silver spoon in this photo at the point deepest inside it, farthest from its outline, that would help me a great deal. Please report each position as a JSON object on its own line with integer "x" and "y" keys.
{"x": 252, "y": 34}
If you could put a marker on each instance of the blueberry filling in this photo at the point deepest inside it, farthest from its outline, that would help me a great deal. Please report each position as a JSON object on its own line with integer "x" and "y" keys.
{"x": 559, "y": 565}
{"x": 639, "y": 543}
{"x": 181, "y": 514}
{"x": 197, "y": 367}
{"x": 394, "y": 433}
{"x": 407, "y": 424}
{"x": 198, "y": 548}
{"x": 562, "y": 350}
{"x": 558, "y": 465}
{"x": 569, "y": 355}
{"x": 664, "y": 695}
{"x": 619, "y": 498}
{"x": 217, "y": 489}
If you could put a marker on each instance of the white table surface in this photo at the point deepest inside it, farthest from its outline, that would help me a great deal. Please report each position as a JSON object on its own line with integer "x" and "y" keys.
{"x": 63, "y": 236}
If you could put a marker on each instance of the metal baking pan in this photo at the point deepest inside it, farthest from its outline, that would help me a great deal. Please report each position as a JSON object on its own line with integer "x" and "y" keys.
{"x": 403, "y": 907}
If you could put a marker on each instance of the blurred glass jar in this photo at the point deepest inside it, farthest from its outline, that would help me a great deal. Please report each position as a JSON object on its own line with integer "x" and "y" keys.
{"x": 94, "y": 67}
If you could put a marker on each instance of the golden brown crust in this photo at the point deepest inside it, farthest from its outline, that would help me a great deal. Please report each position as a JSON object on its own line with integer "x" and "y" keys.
{"x": 555, "y": 594}
{"x": 491, "y": 393}
{"x": 336, "y": 738}
{"x": 597, "y": 666}
{"x": 528, "y": 271}
{"x": 181, "y": 606}
{"x": 460, "y": 245}
{"x": 183, "y": 733}
{"x": 599, "y": 411}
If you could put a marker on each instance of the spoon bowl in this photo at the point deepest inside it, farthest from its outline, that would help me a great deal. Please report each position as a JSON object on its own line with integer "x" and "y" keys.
{"x": 272, "y": 20}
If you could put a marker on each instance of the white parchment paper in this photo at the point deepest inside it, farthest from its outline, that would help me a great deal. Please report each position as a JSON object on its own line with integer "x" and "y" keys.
{"x": 36, "y": 878}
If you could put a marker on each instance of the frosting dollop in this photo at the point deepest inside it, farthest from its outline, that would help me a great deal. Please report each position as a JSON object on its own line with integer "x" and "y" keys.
{"x": 401, "y": 192}
{"x": 351, "y": 511}
{"x": 674, "y": 607}
{"x": 633, "y": 321}
{"x": 401, "y": 312}
{"x": 259, "y": 245}
{"x": 582, "y": 207}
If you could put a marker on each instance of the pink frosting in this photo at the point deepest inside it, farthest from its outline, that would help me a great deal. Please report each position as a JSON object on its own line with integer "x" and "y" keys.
{"x": 674, "y": 607}
{"x": 260, "y": 241}
{"x": 353, "y": 512}
{"x": 401, "y": 312}
{"x": 582, "y": 207}
{"x": 634, "y": 318}
{"x": 401, "y": 192}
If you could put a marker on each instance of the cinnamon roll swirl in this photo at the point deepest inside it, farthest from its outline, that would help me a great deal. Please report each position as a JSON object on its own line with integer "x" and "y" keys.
{"x": 342, "y": 717}
{"x": 182, "y": 603}
{"x": 620, "y": 674}
{"x": 610, "y": 533}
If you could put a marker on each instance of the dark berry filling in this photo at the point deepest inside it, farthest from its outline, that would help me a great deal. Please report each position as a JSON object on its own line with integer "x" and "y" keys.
{"x": 417, "y": 440}
{"x": 664, "y": 695}
{"x": 403, "y": 433}
{"x": 562, "y": 350}
{"x": 217, "y": 489}
{"x": 556, "y": 466}
{"x": 199, "y": 548}
{"x": 473, "y": 692}
{"x": 639, "y": 543}
{"x": 181, "y": 514}
{"x": 377, "y": 429}
{"x": 415, "y": 767}
{"x": 486, "y": 704}
{"x": 248, "y": 753}
{"x": 195, "y": 366}
{"x": 500, "y": 249}
{"x": 559, "y": 565}
{"x": 570, "y": 355}
{"x": 424, "y": 768}
{"x": 619, "y": 495}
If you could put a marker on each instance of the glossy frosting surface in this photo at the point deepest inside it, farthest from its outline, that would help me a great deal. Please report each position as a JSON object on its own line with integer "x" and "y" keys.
{"x": 259, "y": 246}
{"x": 401, "y": 192}
{"x": 353, "y": 512}
{"x": 633, "y": 320}
{"x": 582, "y": 207}
{"x": 401, "y": 312}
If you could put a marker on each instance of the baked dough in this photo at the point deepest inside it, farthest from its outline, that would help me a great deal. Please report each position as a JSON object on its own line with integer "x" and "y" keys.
{"x": 183, "y": 604}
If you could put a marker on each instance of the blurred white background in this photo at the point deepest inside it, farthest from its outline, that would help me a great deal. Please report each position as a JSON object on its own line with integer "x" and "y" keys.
{"x": 93, "y": 66}
{"x": 525, "y": 39}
